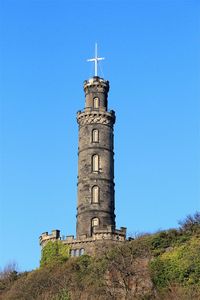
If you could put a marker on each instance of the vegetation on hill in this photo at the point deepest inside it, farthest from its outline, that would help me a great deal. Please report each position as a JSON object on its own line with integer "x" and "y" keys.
{"x": 54, "y": 253}
{"x": 162, "y": 266}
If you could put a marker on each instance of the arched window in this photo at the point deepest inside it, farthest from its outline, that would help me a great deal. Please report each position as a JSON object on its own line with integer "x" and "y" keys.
{"x": 95, "y": 222}
{"x": 96, "y": 102}
{"x": 81, "y": 251}
{"x": 95, "y": 194}
{"x": 77, "y": 252}
{"x": 95, "y": 163}
{"x": 95, "y": 135}
{"x": 73, "y": 252}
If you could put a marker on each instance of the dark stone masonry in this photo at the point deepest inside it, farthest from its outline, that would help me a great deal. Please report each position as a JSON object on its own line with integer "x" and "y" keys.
{"x": 96, "y": 189}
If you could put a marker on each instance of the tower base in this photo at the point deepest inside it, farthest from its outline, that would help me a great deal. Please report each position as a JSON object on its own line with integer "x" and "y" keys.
{"x": 84, "y": 244}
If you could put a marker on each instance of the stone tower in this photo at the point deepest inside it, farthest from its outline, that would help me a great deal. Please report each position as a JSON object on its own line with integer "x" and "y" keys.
{"x": 95, "y": 224}
{"x": 95, "y": 209}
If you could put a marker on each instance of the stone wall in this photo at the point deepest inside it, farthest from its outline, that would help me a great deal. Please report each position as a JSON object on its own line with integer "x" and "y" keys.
{"x": 87, "y": 245}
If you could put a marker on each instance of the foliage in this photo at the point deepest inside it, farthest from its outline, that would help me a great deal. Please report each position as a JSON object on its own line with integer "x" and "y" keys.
{"x": 54, "y": 253}
{"x": 180, "y": 265}
{"x": 191, "y": 224}
{"x": 164, "y": 265}
{"x": 62, "y": 295}
{"x": 164, "y": 240}
{"x": 44, "y": 283}
{"x": 8, "y": 276}
{"x": 127, "y": 266}
{"x": 178, "y": 292}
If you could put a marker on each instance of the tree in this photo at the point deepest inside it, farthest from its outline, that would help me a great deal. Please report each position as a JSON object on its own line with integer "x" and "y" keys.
{"x": 191, "y": 224}
{"x": 128, "y": 269}
{"x": 8, "y": 276}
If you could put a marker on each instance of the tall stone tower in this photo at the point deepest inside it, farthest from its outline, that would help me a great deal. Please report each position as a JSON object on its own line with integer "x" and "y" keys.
{"x": 96, "y": 194}
{"x": 95, "y": 209}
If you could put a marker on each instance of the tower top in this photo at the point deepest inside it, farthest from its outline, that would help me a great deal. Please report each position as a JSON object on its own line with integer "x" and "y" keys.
{"x": 96, "y": 59}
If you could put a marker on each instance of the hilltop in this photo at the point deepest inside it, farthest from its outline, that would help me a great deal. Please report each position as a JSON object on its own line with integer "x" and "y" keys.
{"x": 164, "y": 265}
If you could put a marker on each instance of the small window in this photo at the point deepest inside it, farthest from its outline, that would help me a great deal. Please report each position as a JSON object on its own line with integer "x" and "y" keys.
{"x": 95, "y": 222}
{"x": 95, "y": 135}
{"x": 81, "y": 251}
{"x": 77, "y": 252}
{"x": 95, "y": 163}
{"x": 73, "y": 252}
{"x": 95, "y": 194}
{"x": 96, "y": 102}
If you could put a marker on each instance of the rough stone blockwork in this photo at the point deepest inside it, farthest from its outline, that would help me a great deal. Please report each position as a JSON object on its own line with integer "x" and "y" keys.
{"x": 96, "y": 192}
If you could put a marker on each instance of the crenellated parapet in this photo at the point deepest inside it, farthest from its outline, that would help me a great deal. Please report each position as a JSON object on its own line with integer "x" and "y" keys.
{"x": 110, "y": 233}
{"x": 84, "y": 243}
{"x": 46, "y": 237}
{"x": 96, "y": 85}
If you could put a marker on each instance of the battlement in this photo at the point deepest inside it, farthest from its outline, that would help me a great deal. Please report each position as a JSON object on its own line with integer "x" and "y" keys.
{"x": 96, "y": 83}
{"x": 45, "y": 237}
{"x": 108, "y": 233}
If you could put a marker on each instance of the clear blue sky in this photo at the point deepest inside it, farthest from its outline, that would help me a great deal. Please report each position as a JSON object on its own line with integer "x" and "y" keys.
{"x": 152, "y": 63}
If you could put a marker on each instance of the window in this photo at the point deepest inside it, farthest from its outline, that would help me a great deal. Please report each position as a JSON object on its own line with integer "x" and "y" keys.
{"x": 95, "y": 222}
{"x": 73, "y": 252}
{"x": 81, "y": 251}
{"x": 95, "y": 163}
{"x": 95, "y": 135}
{"x": 77, "y": 252}
{"x": 95, "y": 194}
{"x": 96, "y": 102}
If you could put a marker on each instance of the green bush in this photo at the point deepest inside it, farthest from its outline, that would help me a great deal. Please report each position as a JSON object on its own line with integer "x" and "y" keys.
{"x": 179, "y": 265}
{"x": 164, "y": 240}
{"x": 54, "y": 253}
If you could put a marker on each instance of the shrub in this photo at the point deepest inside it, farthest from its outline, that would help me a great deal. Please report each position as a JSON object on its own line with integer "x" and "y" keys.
{"x": 179, "y": 265}
{"x": 191, "y": 224}
{"x": 54, "y": 253}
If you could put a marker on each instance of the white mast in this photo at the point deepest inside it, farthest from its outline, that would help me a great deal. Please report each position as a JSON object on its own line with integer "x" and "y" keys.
{"x": 96, "y": 59}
